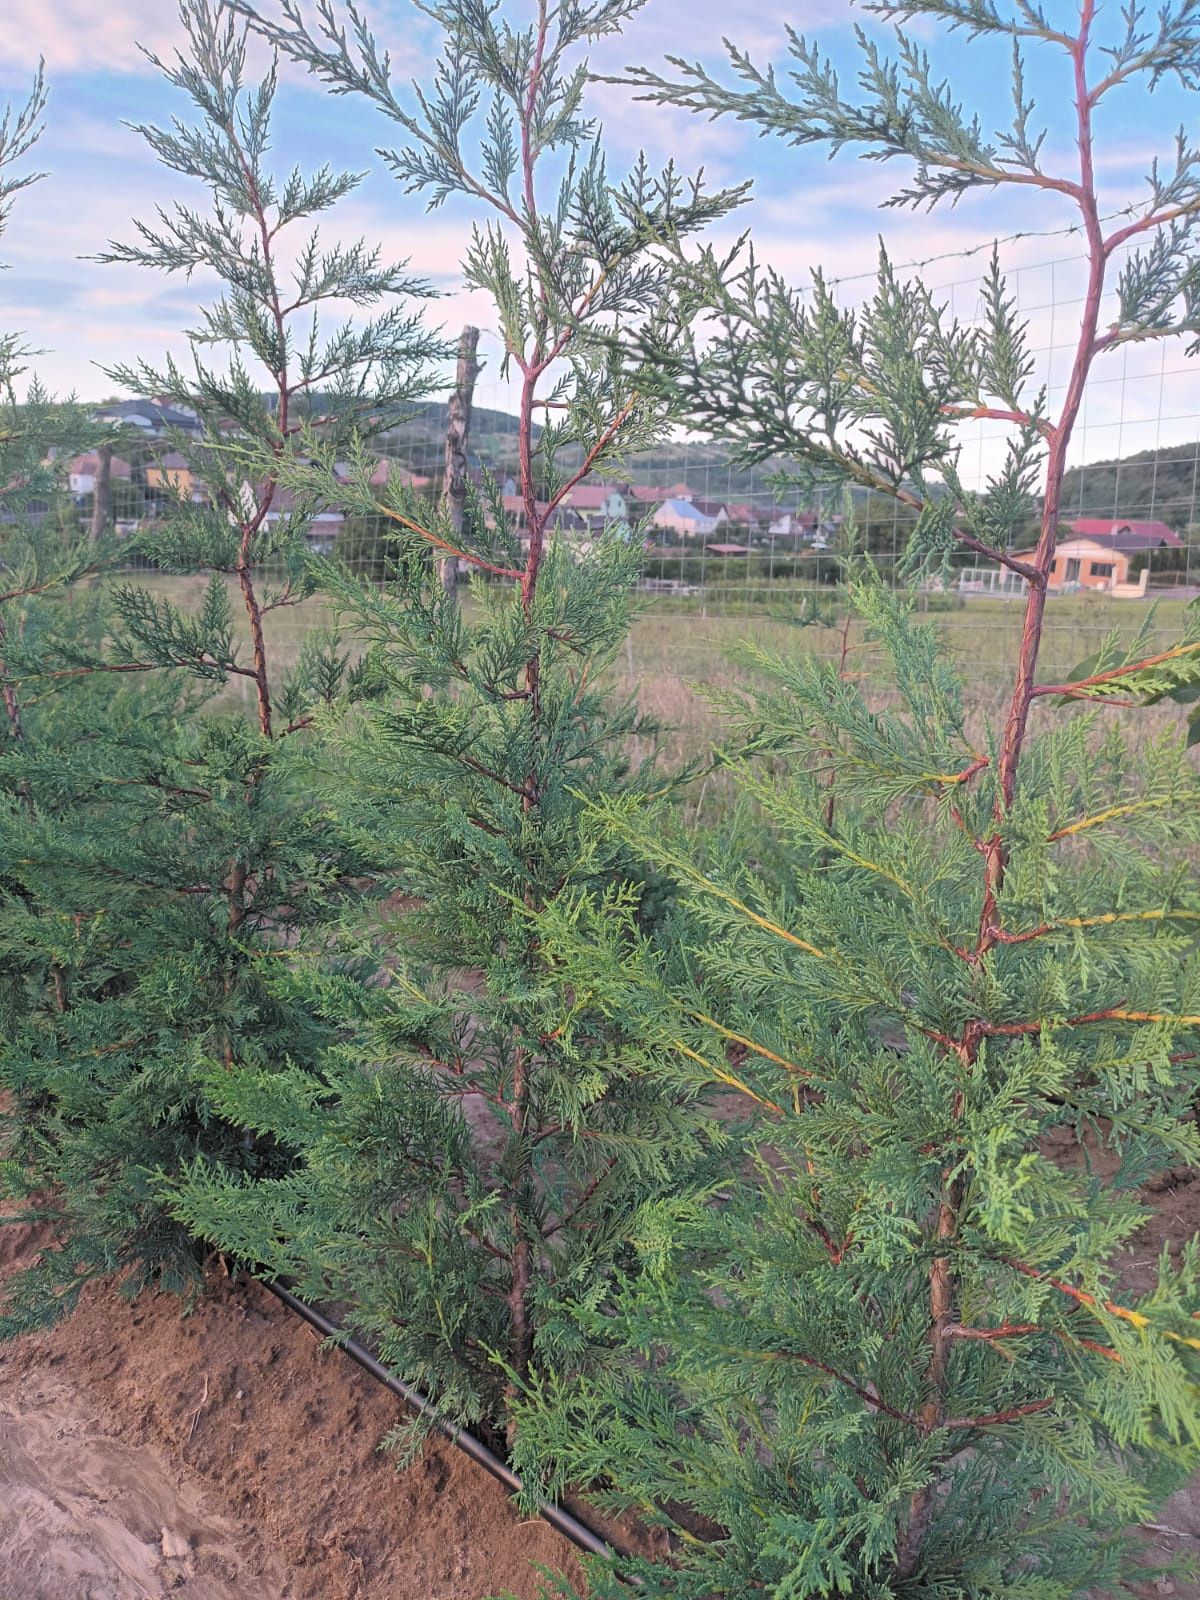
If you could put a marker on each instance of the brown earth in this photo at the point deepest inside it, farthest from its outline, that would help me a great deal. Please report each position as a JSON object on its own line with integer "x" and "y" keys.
{"x": 227, "y": 1455}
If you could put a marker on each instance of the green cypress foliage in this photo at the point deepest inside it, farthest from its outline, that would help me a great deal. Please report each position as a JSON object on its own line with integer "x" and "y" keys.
{"x": 892, "y": 1354}
{"x": 40, "y": 553}
{"x": 486, "y": 1148}
{"x": 184, "y": 851}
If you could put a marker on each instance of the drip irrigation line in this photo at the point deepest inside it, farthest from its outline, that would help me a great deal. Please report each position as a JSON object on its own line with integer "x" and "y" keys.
{"x": 580, "y": 1535}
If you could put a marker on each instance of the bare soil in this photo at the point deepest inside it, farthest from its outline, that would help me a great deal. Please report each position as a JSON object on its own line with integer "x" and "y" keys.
{"x": 226, "y": 1455}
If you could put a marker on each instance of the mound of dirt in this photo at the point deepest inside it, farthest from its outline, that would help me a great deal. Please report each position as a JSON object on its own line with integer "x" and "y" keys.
{"x": 227, "y": 1455}
{"x": 84, "y": 1515}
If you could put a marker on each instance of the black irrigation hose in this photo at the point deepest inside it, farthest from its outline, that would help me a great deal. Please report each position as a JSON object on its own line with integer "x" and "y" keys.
{"x": 580, "y": 1535}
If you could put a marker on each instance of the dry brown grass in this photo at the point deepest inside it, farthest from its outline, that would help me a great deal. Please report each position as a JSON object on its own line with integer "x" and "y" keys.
{"x": 677, "y": 651}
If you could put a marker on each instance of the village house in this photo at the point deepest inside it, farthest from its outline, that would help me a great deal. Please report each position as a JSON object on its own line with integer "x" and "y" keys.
{"x": 651, "y": 494}
{"x": 153, "y": 417}
{"x": 683, "y": 518}
{"x": 83, "y": 471}
{"x": 793, "y": 525}
{"x": 172, "y": 474}
{"x": 563, "y": 519}
{"x": 716, "y": 509}
{"x": 1096, "y": 553}
{"x": 322, "y": 526}
{"x": 741, "y": 514}
{"x": 605, "y": 502}
{"x": 386, "y": 470}
{"x": 391, "y": 471}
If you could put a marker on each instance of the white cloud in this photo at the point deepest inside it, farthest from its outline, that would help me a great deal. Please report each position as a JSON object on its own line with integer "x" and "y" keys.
{"x": 95, "y": 36}
{"x": 806, "y": 214}
{"x": 82, "y": 36}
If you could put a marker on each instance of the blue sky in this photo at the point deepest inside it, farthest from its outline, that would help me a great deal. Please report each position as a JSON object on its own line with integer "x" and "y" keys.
{"x": 806, "y": 210}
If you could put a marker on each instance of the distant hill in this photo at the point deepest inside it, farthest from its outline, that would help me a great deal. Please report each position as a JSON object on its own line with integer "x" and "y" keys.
{"x": 1162, "y": 483}
{"x": 420, "y": 441}
{"x": 705, "y": 466}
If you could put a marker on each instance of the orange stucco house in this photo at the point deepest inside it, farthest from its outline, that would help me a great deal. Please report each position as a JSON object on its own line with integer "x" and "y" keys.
{"x": 171, "y": 474}
{"x": 1094, "y": 553}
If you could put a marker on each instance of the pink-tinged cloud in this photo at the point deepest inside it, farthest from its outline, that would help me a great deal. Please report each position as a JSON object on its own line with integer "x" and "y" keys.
{"x": 82, "y": 36}
{"x": 94, "y": 36}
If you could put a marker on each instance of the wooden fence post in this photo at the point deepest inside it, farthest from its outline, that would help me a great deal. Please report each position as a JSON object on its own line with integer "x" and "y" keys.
{"x": 458, "y": 429}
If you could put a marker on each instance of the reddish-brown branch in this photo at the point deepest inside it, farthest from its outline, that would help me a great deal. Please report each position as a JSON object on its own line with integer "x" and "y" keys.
{"x": 1091, "y": 1302}
{"x": 989, "y": 552}
{"x": 492, "y": 775}
{"x": 978, "y": 1029}
{"x": 1154, "y": 219}
{"x": 1176, "y": 653}
{"x": 1022, "y": 695}
{"x": 942, "y": 1278}
{"x": 448, "y": 548}
{"x": 831, "y": 783}
{"x": 865, "y": 1395}
{"x": 1105, "y": 700}
{"x": 589, "y": 461}
{"x": 520, "y": 1090}
{"x": 12, "y": 706}
{"x": 564, "y": 338}
{"x": 994, "y": 1418}
{"x": 262, "y": 688}
{"x": 147, "y": 666}
{"x": 906, "y": 497}
{"x": 996, "y": 414}
{"x": 1014, "y": 1330}
{"x": 251, "y": 525}
{"x": 486, "y": 827}
{"x": 1006, "y": 1330}
{"x": 585, "y": 1195}
{"x": 29, "y": 590}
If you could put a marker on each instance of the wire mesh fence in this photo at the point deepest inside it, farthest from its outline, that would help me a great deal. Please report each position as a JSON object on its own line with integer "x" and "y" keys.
{"x": 733, "y": 551}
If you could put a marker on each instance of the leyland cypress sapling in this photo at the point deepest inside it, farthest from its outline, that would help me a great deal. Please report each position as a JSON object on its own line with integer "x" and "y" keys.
{"x": 476, "y": 1161}
{"x": 40, "y": 553}
{"x": 894, "y": 1356}
{"x": 189, "y": 853}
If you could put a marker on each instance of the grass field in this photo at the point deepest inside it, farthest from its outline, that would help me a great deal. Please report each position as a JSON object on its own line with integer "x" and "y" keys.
{"x": 676, "y": 649}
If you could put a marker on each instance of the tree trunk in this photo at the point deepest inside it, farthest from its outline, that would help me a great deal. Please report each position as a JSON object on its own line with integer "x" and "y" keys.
{"x": 102, "y": 495}
{"x": 458, "y": 430}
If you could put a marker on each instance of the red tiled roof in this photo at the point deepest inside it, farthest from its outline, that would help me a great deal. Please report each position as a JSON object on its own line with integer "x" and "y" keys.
{"x": 652, "y": 491}
{"x": 591, "y": 496}
{"x": 91, "y": 463}
{"x": 283, "y": 504}
{"x": 389, "y": 471}
{"x": 1120, "y": 534}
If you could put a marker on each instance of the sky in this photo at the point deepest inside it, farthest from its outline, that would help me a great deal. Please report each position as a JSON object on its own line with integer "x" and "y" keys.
{"x": 806, "y": 211}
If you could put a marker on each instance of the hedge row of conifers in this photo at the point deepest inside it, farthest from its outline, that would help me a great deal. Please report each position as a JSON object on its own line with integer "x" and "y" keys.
{"x": 713, "y": 1172}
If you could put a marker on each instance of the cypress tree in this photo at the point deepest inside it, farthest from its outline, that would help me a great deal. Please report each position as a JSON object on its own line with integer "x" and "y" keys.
{"x": 186, "y": 852}
{"x": 892, "y": 1354}
{"x": 483, "y": 1148}
{"x": 41, "y": 553}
